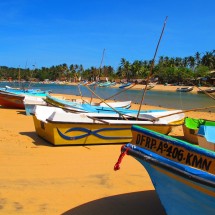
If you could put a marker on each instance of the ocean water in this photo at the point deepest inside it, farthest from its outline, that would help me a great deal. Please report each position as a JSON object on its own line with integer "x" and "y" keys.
{"x": 176, "y": 100}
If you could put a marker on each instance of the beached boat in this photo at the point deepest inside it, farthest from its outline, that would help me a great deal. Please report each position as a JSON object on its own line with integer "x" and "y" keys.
{"x": 209, "y": 90}
{"x": 62, "y": 128}
{"x": 83, "y": 106}
{"x": 183, "y": 174}
{"x": 30, "y": 102}
{"x": 16, "y": 100}
{"x": 191, "y": 128}
{"x": 11, "y": 100}
{"x": 184, "y": 89}
{"x": 206, "y": 138}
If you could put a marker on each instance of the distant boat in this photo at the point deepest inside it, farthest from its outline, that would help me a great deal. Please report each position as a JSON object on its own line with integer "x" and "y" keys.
{"x": 209, "y": 90}
{"x": 63, "y": 128}
{"x": 91, "y": 83}
{"x": 184, "y": 89}
{"x": 125, "y": 85}
{"x": 183, "y": 174}
{"x": 106, "y": 84}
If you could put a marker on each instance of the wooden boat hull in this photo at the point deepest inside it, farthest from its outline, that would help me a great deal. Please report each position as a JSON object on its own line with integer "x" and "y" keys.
{"x": 59, "y": 133}
{"x": 10, "y": 100}
{"x": 183, "y": 174}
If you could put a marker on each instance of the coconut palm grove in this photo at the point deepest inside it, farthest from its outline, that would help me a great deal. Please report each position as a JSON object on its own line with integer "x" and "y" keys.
{"x": 172, "y": 70}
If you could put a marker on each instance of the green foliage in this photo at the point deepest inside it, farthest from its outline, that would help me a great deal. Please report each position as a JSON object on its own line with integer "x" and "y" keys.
{"x": 167, "y": 70}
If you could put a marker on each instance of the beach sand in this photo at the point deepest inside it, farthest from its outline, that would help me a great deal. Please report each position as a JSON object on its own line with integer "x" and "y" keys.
{"x": 38, "y": 178}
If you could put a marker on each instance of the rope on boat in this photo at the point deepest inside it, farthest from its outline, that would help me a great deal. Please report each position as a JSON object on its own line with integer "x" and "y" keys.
{"x": 123, "y": 153}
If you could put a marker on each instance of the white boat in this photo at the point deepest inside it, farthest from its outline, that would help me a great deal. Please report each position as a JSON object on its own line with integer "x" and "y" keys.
{"x": 184, "y": 89}
{"x": 31, "y": 101}
{"x": 63, "y": 128}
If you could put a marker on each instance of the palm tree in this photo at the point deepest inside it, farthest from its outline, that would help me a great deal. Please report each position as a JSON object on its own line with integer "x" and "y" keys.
{"x": 197, "y": 58}
{"x": 209, "y": 60}
{"x": 126, "y": 68}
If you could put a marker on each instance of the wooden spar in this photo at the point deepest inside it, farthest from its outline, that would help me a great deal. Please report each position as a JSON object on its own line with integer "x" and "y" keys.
{"x": 106, "y": 102}
{"x": 184, "y": 111}
{"x": 100, "y": 68}
{"x": 118, "y": 93}
{"x": 99, "y": 73}
{"x": 152, "y": 65}
{"x": 19, "y": 77}
{"x": 100, "y": 120}
{"x": 204, "y": 92}
{"x": 80, "y": 91}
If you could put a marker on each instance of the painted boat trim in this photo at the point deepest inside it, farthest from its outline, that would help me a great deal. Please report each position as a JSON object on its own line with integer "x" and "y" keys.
{"x": 174, "y": 149}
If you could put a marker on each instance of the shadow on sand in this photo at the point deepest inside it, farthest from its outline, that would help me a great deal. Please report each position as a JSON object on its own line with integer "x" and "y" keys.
{"x": 36, "y": 140}
{"x": 146, "y": 202}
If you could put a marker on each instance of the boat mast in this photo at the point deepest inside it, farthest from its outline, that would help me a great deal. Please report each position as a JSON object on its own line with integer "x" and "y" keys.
{"x": 19, "y": 76}
{"x": 152, "y": 65}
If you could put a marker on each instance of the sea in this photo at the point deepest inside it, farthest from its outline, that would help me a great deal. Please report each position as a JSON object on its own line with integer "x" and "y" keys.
{"x": 166, "y": 99}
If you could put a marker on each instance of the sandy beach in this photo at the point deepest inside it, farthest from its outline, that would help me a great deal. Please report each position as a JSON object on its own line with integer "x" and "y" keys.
{"x": 38, "y": 178}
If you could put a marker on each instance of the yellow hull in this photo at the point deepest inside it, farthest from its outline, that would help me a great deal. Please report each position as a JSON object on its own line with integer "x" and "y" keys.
{"x": 88, "y": 133}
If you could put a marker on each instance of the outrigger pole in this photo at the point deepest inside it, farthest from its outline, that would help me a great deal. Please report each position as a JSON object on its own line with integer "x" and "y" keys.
{"x": 152, "y": 65}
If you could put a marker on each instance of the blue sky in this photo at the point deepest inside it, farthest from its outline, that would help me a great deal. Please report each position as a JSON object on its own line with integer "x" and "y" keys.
{"x": 47, "y": 33}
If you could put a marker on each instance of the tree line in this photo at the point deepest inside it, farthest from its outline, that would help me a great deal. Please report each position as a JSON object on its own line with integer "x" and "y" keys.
{"x": 165, "y": 70}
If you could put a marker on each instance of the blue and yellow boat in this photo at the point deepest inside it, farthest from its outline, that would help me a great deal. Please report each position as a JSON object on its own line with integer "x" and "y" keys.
{"x": 63, "y": 128}
{"x": 183, "y": 174}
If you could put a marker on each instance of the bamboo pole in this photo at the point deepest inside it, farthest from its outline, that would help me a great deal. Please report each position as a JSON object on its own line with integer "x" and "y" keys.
{"x": 106, "y": 103}
{"x": 118, "y": 93}
{"x": 152, "y": 65}
{"x": 100, "y": 68}
{"x": 189, "y": 110}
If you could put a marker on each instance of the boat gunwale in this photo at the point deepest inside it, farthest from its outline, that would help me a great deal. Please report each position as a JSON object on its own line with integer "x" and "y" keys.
{"x": 175, "y": 170}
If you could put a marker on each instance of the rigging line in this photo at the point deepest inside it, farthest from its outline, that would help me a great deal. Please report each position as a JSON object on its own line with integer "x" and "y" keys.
{"x": 152, "y": 65}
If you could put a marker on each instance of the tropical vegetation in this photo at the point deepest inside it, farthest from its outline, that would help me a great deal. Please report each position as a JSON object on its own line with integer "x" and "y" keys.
{"x": 165, "y": 70}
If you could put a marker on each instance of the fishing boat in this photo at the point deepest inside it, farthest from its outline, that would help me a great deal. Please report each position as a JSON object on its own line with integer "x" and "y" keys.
{"x": 83, "y": 106}
{"x": 191, "y": 128}
{"x": 184, "y": 89}
{"x": 31, "y": 101}
{"x": 24, "y": 90}
{"x": 209, "y": 90}
{"x": 11, "y": 100}
{"x": 91, "y": 83}
{"x": 182, "y": 173}
{"x": 124, "y": 85}
{"x": 63, "y": 128}
{"x": 206, "y": 137}
{"x": 16, "y": 100}
{"x": 107, "y": 84}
